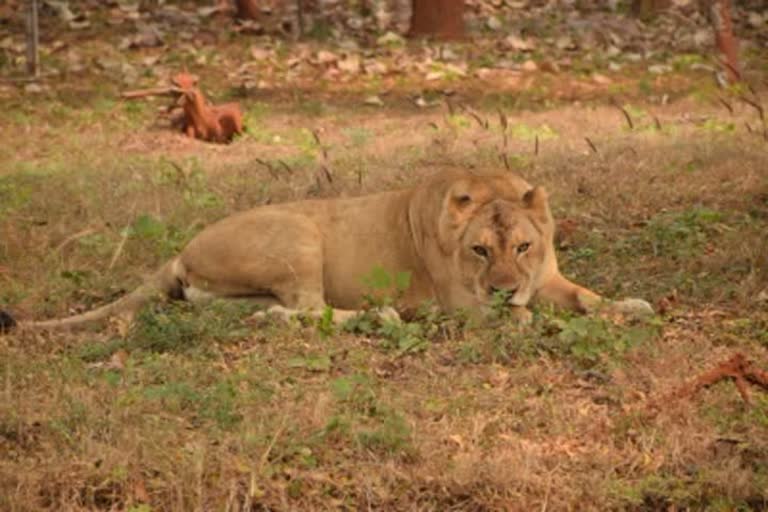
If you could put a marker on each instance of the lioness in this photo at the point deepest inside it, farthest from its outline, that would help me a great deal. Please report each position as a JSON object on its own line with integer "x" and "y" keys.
{"x": 462, "y": 237}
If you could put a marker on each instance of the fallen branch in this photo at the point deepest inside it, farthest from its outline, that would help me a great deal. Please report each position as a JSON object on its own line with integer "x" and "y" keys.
{"x": 739, "y": 368}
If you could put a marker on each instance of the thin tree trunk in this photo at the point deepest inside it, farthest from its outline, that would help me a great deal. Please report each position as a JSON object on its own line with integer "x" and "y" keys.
{"x": 442, "y": 19}
{"x": 727, "y": 44}
{"x": 33, "y": 59}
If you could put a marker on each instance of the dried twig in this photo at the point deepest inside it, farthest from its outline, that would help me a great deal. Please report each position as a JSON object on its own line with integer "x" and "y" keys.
{"x": 536, "y": 146}
{"x": 270, "y": 168}
{"x": 591, "y": 145}
{"x": 72, "y": 238}
{"x": 626, "y": 114}
{"x": 327, "y": 173}
{"x": 123, "y": 240}
{"x": 506, "y": 161}
{"x": 450, "y": 106}
{"x": 757, "y": 106}
{"x": 323, "y": 149}
{"x": 724, "y": 103}
{"x": 760, "y": 113}
{"x": 503, "y": 120}
{"x": 285, "y": 166}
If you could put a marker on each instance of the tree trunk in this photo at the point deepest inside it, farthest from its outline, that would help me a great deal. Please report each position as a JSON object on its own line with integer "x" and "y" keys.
{"x": 727, "y": 44}
{"x": 248, "y": 9}
{"x": 442, "y": 19}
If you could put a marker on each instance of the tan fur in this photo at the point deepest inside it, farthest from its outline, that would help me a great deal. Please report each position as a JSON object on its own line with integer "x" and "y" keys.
{"x": 309, "y": 254}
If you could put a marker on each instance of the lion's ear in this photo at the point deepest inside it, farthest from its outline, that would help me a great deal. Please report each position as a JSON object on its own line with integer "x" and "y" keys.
{"x": 537, "y": 200}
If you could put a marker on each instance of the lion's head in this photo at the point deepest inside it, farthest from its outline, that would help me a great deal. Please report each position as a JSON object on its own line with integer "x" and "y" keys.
{"x": 494, "y": 234}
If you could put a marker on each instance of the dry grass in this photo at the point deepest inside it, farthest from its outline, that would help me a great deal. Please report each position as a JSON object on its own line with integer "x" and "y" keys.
{"x": 202, "y": 410}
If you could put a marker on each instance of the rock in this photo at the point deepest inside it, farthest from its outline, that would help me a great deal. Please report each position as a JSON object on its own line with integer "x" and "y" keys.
{"x": 659, "y": 69}
{"x": 373, "y": 101}
{"x": 756, "y": 20}
{"x": 259, "y": 53}
{"x": 529, "y": 65}
{"x": 518, "y": 43}
{"x": 390, "y": 39}
{"x": 374, "y": 67}
{"x": 549, "y": 66}
{"x": 326, "y": 57}
{"x": 350, "y": 64}
{"x": 493, "y": 23}
{"x": 702, "y": 37}
{"x": 565, "y": 43}
{"x": 601, "y": 79}
{"x": 34, "y": 88}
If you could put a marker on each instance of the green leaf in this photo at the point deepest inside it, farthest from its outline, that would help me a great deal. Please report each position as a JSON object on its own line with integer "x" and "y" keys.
{"x": 148, "y": 227}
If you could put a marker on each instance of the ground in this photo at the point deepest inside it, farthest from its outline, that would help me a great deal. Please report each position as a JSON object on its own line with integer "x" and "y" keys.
{"x": 206, "y": 408}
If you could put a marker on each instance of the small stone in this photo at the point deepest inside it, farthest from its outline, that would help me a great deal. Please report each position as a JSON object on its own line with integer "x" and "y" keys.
{"x": 756, "y": 20}
{"x": 373, "y": 101}
{"x": 493, "y": 23}
{"x": 518, "y": 43}
{"x": 259, "y": 53}
{"x": 601, "y": 79}
{"x": 702, "y": 37}
{"x": 565, "y": 43}
{"x": 33, "y": 88}
{"x": 326, "y": 57}
{"x": 529, "y": 65}
{"x": 390, "y": 39}
{"x": 659, "y": 69}
{"x": 350, "y": 64}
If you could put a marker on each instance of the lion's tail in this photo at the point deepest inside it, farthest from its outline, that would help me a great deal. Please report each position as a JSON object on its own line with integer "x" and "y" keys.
{"x": 163, "y": 283}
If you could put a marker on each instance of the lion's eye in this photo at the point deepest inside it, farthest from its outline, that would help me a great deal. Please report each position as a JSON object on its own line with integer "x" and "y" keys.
{"x": 523, "y": 247}
{"x": 480, "y": 251}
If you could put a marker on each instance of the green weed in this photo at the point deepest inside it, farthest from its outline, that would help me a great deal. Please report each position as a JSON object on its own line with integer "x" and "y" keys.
{"x": 182, "y": 327}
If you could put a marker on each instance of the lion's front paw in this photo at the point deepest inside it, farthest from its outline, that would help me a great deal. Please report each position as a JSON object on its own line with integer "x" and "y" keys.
{"x": 634, "y": 307}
